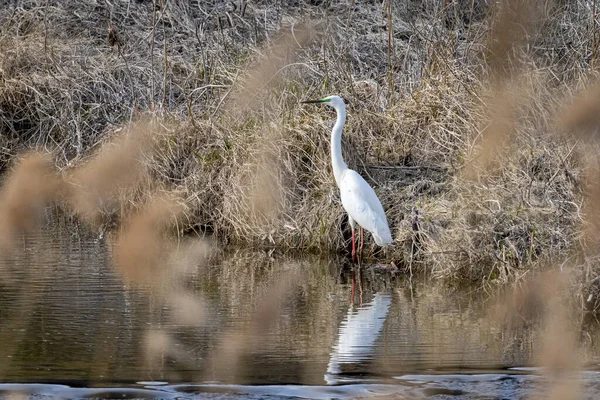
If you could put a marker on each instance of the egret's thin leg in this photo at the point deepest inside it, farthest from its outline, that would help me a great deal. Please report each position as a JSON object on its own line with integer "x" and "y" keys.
{"x": 360, "y": 249}
{"x": 353, "y": 288}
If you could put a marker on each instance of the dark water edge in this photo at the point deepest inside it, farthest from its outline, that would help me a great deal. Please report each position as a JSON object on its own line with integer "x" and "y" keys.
{"x": 511, "y": 385}
{"x": 253, "y": 324}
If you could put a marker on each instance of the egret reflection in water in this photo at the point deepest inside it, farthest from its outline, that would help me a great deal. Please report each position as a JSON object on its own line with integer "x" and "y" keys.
{"x": 357, "y": 335}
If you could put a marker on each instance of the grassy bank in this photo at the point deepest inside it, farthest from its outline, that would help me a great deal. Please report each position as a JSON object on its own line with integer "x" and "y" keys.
{"x": 452, "y": 118}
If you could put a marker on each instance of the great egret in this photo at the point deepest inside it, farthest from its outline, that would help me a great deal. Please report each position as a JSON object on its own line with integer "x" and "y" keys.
{"x": 358, "y": 197}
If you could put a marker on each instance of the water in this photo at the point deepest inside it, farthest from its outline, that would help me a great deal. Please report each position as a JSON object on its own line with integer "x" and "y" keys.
{"x": 251, "y": 324}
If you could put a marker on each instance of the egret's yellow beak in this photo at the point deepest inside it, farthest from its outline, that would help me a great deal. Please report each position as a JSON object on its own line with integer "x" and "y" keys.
{"x": 315, "y": 101}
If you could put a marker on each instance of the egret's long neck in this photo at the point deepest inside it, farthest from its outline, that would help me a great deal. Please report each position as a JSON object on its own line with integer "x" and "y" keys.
{"x": 337, "y": 161}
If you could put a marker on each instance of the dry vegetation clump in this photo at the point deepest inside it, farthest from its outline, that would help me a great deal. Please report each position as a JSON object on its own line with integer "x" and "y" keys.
{"x": 33, "y": 185}
{"x": 451, "y": 116}
{"x": 115, "y": 176}
{"x": 143, "y": 242}
{"x": 544, "y": 300}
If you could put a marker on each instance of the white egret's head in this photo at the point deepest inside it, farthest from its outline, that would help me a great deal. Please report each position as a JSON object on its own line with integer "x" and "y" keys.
{"x": 333, "y": 101}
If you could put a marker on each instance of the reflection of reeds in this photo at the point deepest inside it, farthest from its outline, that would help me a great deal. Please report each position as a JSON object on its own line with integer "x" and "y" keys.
{"x": 270, "y": 305}
{"x": 27, "y": 275}
{"x": 225, "y": 362}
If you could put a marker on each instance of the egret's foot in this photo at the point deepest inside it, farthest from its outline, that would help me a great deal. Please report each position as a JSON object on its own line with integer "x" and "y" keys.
{"x": 386, "y": 268}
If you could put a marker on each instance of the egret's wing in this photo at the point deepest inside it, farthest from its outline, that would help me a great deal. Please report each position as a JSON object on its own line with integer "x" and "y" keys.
{"x": 361, "y": 203}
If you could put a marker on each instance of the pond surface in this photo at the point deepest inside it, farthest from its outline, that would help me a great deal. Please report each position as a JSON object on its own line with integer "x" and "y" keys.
{"x": 231, "y": 323}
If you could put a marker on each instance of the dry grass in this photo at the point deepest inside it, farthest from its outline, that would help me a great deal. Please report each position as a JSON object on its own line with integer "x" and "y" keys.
{"x": 27, "y": 190}
{"x": 543, "y": 301}
{"x": 145, "y": 239}
{"x": 102, "y": 186}
{"x": 451, "y": 119}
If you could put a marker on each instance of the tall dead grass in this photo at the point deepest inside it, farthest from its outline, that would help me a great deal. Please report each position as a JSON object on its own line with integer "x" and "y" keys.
{"x": 146, "y": 238}
{"x": 27, "y": 190}
{"x": 96, "y": 186}
{"x": 543, "y": 301}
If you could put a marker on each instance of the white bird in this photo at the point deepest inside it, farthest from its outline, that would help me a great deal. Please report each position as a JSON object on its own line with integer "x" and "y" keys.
{"x": 358, "y": 197}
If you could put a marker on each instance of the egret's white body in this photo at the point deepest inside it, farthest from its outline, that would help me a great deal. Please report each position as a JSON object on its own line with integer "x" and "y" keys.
{"x": 358, "y": 197}
{"x": 363, "y": 206}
